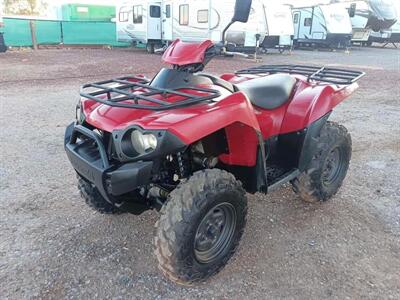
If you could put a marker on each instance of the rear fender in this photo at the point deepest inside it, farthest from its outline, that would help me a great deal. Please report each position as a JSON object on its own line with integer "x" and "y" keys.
{"x": 312, "y": 103}
{"x": 296, "y": 149}
{"x": 309, "y": 143}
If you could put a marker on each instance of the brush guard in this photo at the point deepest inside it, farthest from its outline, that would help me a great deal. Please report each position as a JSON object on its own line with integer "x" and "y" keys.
{"x": 87, "y": 154}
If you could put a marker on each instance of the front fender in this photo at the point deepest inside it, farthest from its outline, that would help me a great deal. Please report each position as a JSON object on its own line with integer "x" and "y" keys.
{"x": 235, "y": 108}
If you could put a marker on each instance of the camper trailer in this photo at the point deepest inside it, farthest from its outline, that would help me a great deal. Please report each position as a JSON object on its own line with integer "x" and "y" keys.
{"x": 157, "y": 23}
{"x": 385, "y": 37}
{"x": 388, "y": 36}
{"x": 371, "y": 18}
{"x": 322, "y": 26}
{"x": 3, "y": 47}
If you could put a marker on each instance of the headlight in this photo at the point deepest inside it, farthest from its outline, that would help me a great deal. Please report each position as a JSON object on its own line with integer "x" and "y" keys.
{"x": 143, "y": 143}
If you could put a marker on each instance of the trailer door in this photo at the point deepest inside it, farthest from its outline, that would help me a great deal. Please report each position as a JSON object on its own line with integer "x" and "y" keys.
{"x": 167, "y": 21}
{"x": 296, "y": 24}
{"x": 154, "y": 21}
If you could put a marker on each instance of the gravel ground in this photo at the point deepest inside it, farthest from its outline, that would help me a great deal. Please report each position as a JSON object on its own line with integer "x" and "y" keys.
{"x": 52, "y": 246}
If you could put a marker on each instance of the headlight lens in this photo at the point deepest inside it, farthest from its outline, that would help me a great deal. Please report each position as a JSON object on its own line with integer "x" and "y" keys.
{"x": 143, "y": 143}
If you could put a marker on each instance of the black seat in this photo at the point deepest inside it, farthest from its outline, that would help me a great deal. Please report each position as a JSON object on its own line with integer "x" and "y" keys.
{"x": 268, "y": 92}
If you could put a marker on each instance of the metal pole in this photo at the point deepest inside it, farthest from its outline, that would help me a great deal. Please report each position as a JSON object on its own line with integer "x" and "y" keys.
{"x": 32, "y": 25}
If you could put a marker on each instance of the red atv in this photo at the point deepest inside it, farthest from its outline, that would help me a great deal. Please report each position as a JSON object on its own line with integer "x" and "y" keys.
{"x": 191, "y": 145}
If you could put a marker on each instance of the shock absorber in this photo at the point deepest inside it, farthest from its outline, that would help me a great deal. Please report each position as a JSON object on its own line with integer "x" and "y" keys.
{"x": 183, "y": 168}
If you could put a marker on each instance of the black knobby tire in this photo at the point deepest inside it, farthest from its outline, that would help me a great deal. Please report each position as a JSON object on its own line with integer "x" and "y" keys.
{"x": 183, "y": 215}
{"x": 94, "y": 199}
{"x": 328, "y": 167}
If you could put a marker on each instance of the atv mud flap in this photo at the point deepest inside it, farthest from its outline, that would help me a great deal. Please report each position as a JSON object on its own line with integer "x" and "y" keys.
{"x": 89, "y": 158}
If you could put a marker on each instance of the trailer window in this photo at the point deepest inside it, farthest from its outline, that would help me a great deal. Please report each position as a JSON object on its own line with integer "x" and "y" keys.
{"x": 168, "y": 11}
{"x": 137, "y": 14}
{"x": 202, "y": 16}
{"x": 123, "y": 16}
{"x": 184, "y": 14}
{"x": 307, "y": 22}
{"x": 296, "y": 18}
{"x": 155, "y": 11}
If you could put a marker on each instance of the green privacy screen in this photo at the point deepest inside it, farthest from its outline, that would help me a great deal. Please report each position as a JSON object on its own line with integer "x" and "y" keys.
{"x": 92, "y": 33}
{"x": 48, "y": 32}
{"x": 17, "y": 33}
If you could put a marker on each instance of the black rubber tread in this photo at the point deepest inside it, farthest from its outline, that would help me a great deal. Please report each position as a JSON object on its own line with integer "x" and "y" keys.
{"x": 180, "y": 216}
{"x": 309, "y": 184}
{"x": 94, "y": 199}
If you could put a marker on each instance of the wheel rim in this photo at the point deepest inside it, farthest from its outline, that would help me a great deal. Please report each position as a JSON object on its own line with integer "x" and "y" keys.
{"x": 215, "y": 232}
{"x": 332, "y": 166}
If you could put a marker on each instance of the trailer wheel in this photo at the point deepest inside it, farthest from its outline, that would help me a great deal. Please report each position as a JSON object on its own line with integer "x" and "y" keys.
{"x": 200, "y": 226}
{"x": 329, "y": 166}
{"x": 150, "y": 48}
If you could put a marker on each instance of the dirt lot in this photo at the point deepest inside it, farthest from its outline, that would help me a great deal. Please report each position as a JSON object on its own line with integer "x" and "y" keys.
{"x": 53, "y": 246}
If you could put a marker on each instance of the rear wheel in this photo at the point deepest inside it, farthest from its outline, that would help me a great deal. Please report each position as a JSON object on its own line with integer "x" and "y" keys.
{"x": 200, "y": 226}
{"x": 329, "y": 166}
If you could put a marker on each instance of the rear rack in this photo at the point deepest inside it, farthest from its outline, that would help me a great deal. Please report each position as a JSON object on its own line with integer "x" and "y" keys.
{"x": 322, "y": 74}
{"x": 116, "y": 92}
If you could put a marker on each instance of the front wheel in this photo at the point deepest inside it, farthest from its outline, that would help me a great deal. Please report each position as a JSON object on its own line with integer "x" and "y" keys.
{"x": 94, "y": 199}
{"x": 200, "y": 226}
{"x": 328, "y": 167}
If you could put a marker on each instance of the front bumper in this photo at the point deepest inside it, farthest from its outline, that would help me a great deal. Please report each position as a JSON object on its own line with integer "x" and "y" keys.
{"x": 89, "y": 158}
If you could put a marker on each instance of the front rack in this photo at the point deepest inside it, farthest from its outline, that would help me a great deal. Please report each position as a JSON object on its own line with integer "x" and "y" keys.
{"x": 322, "y": 74}
{"x": 117, "y": 92}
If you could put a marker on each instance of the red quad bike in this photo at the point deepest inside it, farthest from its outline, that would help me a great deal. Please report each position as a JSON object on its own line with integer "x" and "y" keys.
{"x": 191, "y": 145}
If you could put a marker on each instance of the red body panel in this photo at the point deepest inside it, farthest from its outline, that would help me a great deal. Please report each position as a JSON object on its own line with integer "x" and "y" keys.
{"x": 180, "y": 53}
{"x": 311, "y": 103}
{"x": 308, "y": 103}
{"x": 189, "y": 124}
{"x": 234, "y": 112}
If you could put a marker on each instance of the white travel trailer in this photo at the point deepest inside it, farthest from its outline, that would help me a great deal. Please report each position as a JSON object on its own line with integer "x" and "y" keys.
{"x": 388, "y": 36}
{"x": 3, "y": 47}
{"x": 322, "y": 26}
{"x": 370, "y": 18}
{"x": 156, "y": 23}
